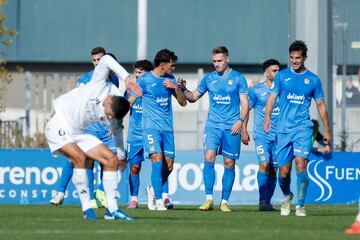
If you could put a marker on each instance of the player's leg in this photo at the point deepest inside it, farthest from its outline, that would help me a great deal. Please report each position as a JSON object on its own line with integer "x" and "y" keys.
{"x": 302, "y": 147}
{"x": 271, "y": 172}
{"x": 90, "y": 174}
{"x": 284, "y": 150}
{"x": 65, "y": 178}
{"x": 168, "y": 165}
{"x": 211, "y": 142}
{"x": 230, "y": 149}
{"x": 62, "y": 140}
{"x": 135, "y": 157}
{"x": 104, "y": 155}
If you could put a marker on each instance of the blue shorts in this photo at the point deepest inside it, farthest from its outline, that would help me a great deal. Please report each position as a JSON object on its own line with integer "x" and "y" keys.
{"x": 296, "y": 143}
{"x": 266, "y": 151}
{"x": 156, "y": 141}
{"x": 135, "y": 154}
{"x": 222, "y": 141}
{"x": 102, "y": 133}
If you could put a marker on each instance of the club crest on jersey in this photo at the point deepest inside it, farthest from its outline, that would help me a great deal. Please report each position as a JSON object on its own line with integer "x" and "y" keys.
{"x": 230, "y": 82}
{"x": 306, "y": 81}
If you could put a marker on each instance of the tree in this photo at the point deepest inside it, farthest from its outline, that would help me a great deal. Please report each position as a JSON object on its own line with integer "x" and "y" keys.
{"x": 6, "y": 38}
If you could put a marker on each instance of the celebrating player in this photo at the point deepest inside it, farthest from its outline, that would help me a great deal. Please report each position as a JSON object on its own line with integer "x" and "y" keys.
{"x": 295, "y": 86}
{"x": 227, "y": 90}
{"x": 264, "y": 143}
{"x": 94, "y": 102}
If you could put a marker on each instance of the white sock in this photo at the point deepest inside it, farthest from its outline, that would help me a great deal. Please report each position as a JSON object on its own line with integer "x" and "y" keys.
{"x": 358, "y": 217}
{"x": 134, "y": 198}
{"x": 159, "y": 201}
{"x": 80, "y": 181}
{"x": 60, "y": 194}
{"x": 110, "y": 183}
{"x": 209, "y": 197}
{"x": 165, "y": 195}
{"x": 223, "y": 201}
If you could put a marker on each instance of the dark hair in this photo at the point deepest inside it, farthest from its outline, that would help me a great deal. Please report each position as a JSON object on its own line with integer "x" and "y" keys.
{"x": 120, "y": 106}
{"x": 221, "y": 49}
{"x": 98, "y": 50}
{"x": 112, "y": 55}
{"x": 297, "y": 46}
{"x": 144, "y": 65}
{"x": 164, "y": 56}
{"x": 269, "y": 63}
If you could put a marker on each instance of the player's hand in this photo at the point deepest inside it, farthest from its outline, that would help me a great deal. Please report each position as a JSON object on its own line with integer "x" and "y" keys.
{"x": 267, "y": 124}
{"x": 122, "y": 164}
{"x": 245, "y": 138}
{"x": 235, "y": 129}
{"x": 169, "y": 84}
{"x": 182, "y": 83}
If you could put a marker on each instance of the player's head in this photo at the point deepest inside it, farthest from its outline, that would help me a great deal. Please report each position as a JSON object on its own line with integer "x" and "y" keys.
{"x": 165, "y": 59}
{"x": 316, "y": 125}
{"x": 116, "y": 106}
{"x": 220, "y": 58}
{"x": 96, "y": 54}
{"x": 141, "y": 67}
{"x": 270, "y": 68}
{"x": 298, "y": 54}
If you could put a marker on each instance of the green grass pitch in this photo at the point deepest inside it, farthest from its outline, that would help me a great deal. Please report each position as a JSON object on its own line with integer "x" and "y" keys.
{"x": 28, "y": 222}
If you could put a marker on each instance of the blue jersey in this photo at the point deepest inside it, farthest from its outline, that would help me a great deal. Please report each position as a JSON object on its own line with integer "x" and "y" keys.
{"x": 258, "y": 96}
{"x": 156, "y": 102}
{"x": 224, "y": 99}
{"x": 96, "y": 129}
{"x": 135, "y": 129}
{"x": 295, "y": 91}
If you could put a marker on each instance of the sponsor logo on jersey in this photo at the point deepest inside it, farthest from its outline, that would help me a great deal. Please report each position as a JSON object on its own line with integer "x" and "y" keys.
{"x": 297, "y": 99}
{"x": 306, "y": 81}
{"x": 163, "y": 101}
{"x": 137, "y": 108}
{"x": 230, "y": 82}
{"x": 219, "y": 99}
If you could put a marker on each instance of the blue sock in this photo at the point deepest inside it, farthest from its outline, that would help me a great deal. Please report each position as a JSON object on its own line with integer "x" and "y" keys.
{"x": 302, "y": 186}
{"x": 227, "y": 182}
{"x": 134, "y": 182}
{"x": 90, "y": 175}
{"x": 271, "y": 185}
{"x": 284, "y": 184}
{"x": 66, "y": 175}
{"x": 156, "y": 179}
{"x": 262, "y": 179}
{"x": 209, "y": 177}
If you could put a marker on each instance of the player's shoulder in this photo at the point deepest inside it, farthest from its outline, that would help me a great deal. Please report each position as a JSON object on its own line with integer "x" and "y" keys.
{"x": 169, "y": 76}
{"x": 258, "y": 86}
{"x": 84, "y": 79}
{"x": 312, "y": 76}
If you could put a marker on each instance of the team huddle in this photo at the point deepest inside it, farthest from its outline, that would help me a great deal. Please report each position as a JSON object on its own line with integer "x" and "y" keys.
{"x": 79, "y": 128}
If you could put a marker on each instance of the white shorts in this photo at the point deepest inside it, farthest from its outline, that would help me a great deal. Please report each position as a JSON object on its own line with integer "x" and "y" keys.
{"x": 58, "y": 134}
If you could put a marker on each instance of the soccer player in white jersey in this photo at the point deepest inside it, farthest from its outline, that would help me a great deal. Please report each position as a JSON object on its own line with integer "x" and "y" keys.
{"x": 94, "y": 102}
{"x": 227, "y": 90}
{"x": 295, "y": 86}
{"x": 264, "y": 143}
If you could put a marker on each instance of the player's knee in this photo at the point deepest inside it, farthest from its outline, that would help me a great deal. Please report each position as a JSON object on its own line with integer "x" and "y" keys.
{"x": 78, "y": 159}
{"x": 111, "y": 162}
{"x": 135, "y": 169}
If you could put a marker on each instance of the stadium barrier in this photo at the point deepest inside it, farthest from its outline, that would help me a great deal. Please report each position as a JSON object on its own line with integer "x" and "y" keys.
{"x": 31, "y": 176}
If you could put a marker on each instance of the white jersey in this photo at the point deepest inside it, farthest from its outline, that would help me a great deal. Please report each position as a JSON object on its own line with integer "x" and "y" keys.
{"x": 83, "y": 106}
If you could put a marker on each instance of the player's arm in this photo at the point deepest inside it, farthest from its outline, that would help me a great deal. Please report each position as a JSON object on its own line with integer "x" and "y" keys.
{"x": 191, "y": 96}
{"x": 178, "y": 94}
{"x": 244, "y": 102}
{"x": 245, "y": 138}
{"x": 269, "y": 108}
{"x": 321, "y": 106}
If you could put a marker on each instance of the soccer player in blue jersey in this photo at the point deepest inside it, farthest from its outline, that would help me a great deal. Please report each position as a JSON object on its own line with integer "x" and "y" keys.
{"x": 157, "y": 123}
{"x": 295, "y": 86}
{"x": 227, "y": 91}
{"x": 264, "y": 143}
{"x": 135, "y": 149}
{"x": 99, "y": 130}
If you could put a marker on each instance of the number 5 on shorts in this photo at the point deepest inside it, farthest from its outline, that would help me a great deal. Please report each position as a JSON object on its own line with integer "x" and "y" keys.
{"x": 150, "y": 139}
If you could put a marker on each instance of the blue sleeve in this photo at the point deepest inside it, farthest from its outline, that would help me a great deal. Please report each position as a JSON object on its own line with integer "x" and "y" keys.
{"x": 84, "y": 79}
{"x": 252, "y": 97}
{"x": 277, "y": 86}
{"x": 202, "y": 87}
{"x": 243, "y": 88}
{"x": 318, "y": 92}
